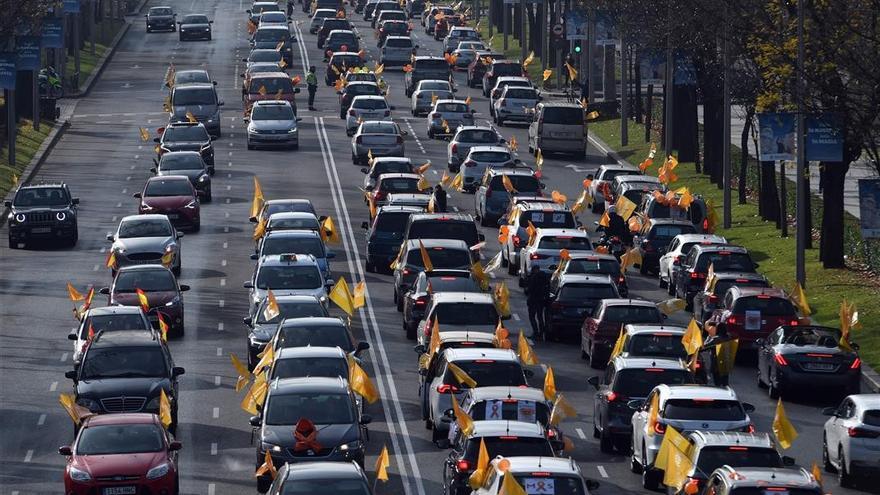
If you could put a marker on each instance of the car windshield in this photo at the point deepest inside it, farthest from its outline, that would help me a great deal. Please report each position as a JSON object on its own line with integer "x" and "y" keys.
{"x": 299, "y": 367}
{"x": 402, "y": 185}
{"x": 703, "y": 410}
{"x": 370, "y": 104}
{"x": 144, "y": 228}
{"x": 598, "y": 266}
{"x": 398, "y": 42}
{"x": 288, "y": 277}
{"x": 444, "y": 229}
{"x": 434, "y": 85}
{"x": 321, "y": 335}
{"x": 271, "y": 35}
{"x": 766, "y": 306}
{"x": 432, "y": 65}
{"x": 663, "y": 234}
{"x": 489, "y": 373}
{"x": 158, "y": 280}
{"x": 161, "y": 11}
{"x": 725, "y": 261}
{"x": 181, "y": 161}
{"x": 490, "y": 156}
{"x": 294, "y": 486}
{"x": 632, "y": 314}
{"x": 466, "y": 314}
{"x": 381, "y": 128}
{"x": 511, "y": 409}
{"x": 274, "y": 17}
{"x": 293, "y": 224}
{"x": 264, "y": 55}
{"x": 478, "y": 136}
{"x": 721, "y": 286}
{"x": 271, "y": 86}
{"x": 362, "y": 89}
{"x": 41, "y": 196}
{"x": 196, "y": 133}
{"x": 813, "y": 337}
{"x": 712, "y": 458}
{"x": 638, "y": 383}
{"x": 331, "y": 24}
{"x": 322, "y": 408}
{"x": 194, "y": 96}
{"x": 290, "y": 309}
{"x": 564, "y": 115}
{"x": 564, "y": 242}
{"x": 440, "y": 258}
{"x": 191, "y": 76}
{"x": 292, "y": 206}
{"x": 452, "y": 107}
{"x": 282, "y": 244}
{"x": 656, "y": 344}
{"x": 509, "y": 446}
{"x": 347, "y": 61}
{"x": 101, "y": 323}
{"x": 342, "y": 38}
{"x": 521, "y": 183}
{"x": 123, "y": 362}
{"x": 390, "y": 167}
{"x": 575, "y": 293}
{"x": 391, "y": 223}
{"x": 195, "y": 19}
{"x": 521, "y": 94}
{"x": 120, "y": 439}
{"x": 272, "y": 112}
{"x": 162, "y": 187}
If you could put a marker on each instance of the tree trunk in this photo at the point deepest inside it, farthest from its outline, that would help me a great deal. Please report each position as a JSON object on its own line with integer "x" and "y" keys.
{"x": 831, "y": 244}
{"x": 534, "y": 32}
{"x": 768, "y": 199}
{"x": 713, "y": 132}
{"x": 744, "y": 155}
{"x": 638, "y": 86}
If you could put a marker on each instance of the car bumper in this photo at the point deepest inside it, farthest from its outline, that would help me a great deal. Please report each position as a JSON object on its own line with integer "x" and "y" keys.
{"x": 519, "y": 116}
{"x": 286, "y": 139}
{"x": 45, "y": 232}
{"x": 563, "y": 145}
{"x": 165, "y": 484}
{"x": 160, "y": 25}
{"x": 195, "y": 35}
{"x": 788, "y": 377}
{"x": 123, "y": 260}
{"x": 364, "y": 150}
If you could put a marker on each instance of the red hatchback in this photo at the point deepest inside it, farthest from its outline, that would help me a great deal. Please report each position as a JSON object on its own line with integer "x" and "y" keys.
{"x": 120, "y": 454}
{"x": 751, "y": 313}
{"x": 173, "y": 196}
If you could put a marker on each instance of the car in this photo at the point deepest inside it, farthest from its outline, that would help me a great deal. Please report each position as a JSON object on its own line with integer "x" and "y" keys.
{"x": 558, "y": 127}
{"x": 459, "y": 226}
{"x": 481, "y": 158}
{"x": 466, "y": 137}
{"x": 364, "y": 108}
{"x": 163, "y": 293}
{"x": 686, "y": 408}
{"x": 335, "y": 477}
{"x": 316, "y": 332}
{"x": 300, "y": 242}
{"x": 544, "y": 249}
{"x": 377, "y": 138}
{"x": 263, "y": 55}
{"x": 302, "y": 362}
{"x": 286, "y": 274}
{"x": 459, "y": 311}
{"x": 292, "y": 220}
{"x": 385, "y": 165}
{"x": 380, "y": 6}
{"x": 752, "y": 313}
{"x": 272, "y": 123}
{"x": 339, "y": 64}
{"x": 135, "y": 444}
{"x": 418, "y": 298}
{"x": 329, "y": 24}
{"x": 161, "y": 18}
{"x": 430, "y": 15}
{"x": 191, "y": 76}
{"x": 273, "y": 18}
{"x": 676, "y": 252}
{"x": 691, "y": 276}
{"x": 573, "y": 298}
{"x": 355, "y": 88}
{"x": 492, "y": 198}
{"x": 707, "y": 300}
{"x": 592, "y": 263}
{"x": 419, "y": 200}
{"x": 653, "y": 341}
{"x": 341, "y": 40}
{"x": 527, "y": 404}
{"x": 384, "y": 234}
{"x": 628, "y": 378}
{"x": 126, "y": 372}
{"x": 851, "y": 436}
{"x": 396, "y": 50}
{"x": 482, "y": 61}
{"x": 385, "y": 15}
{"x": 427, "y": 92}
{"x": 318, "y": 19}
{"x": 393, "y": 183}
{"x": 146, "y": 239}
{"x": 173, "y": 196}
{"x": 257, "y": 68}
{"x": 498, "y": 68}
{"x": 189, "y": 164}
{"x": 272, "y": 87}
{"x": 808, "y": 357}
{"x": 654, "y": 239}
{"x": 105, "y": 319}
{"x": 534, "y": 472}
{"x": 449, "y": 254}
{"x": 636, "y": 187}
{"x": 272, "y": 206}
{"x": 255, "y": 13}
{"x": 657, "y": 205}
{"x": 446, "y": 116}
{"x": 275, "y": 37}
{"x": 187, "y": 136}
{"x": 454, "y": 340}
{"x": 319, "y": 406}
{"x": 42, "y": 212}
{"x": 601, "y": 328}
{"x": 458, "y": 34}
{"x": 729, "y": 480}
{"x": 261, "y": 330}
{"x": 425, "y": 67}
{"x": 604, "y": 175}
{"x": 194, "y": 26}
{"x": 488, "y": 367}
{"x": 503, "y": 82}
{"x": 515, "y": 104}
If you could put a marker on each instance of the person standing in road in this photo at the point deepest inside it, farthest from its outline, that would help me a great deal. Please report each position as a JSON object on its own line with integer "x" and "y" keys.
{"x": 536, "y": 299}
{"x": 439, "y": 199}
{"x": 312, "y": 86}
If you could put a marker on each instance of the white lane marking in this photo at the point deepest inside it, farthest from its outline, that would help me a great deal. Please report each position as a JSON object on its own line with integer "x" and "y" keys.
{"x": 219, "y": 351}
{"x": 217, "y": 380}
{"x": 412, "y": 132}
{"x": 580, "y": 433}
{"x": 95, "y": 268}
{"x": 211, "y": 488}
{"x": 221, "y": 303}
{"x": 63, "y": 357}
{"x": 42, "y": 420}
{"x": 516, "y": 316}
{"x": 225, "y": 245}
{"x": 216, "y": 412}
{"x": 602, "y": 471}
{"x": 29, "y": 455}
{"x": 213, "y": 448}
{"x": 223, "y": 262}
{"x": 220, "y": 326}
{"x": 53, "y": 387}
{"x": 222, "y": 282}
{"x": 455, "y": 208}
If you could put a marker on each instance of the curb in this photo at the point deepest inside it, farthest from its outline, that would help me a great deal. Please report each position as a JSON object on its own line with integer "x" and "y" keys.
{"x": 870, "y": 377}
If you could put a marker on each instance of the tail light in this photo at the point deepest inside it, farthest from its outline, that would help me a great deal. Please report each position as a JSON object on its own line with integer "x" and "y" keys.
{"x": 856, "y": 432}
{"x": 677, "y": 261}
{"x": 455, "y": 148}
{"x": 351, "y": 112}
{"x": 731, "y": 320}
{"x": 536, "y": 256}
{"x": 447, "y": 389}
{"x": 780, "y": 360}
{"x": 421, "y": 301}
{"x": 516, "y": 241}
{"x": 463, "y": 465}
{"x": 692, "y": 487}
{"x": 470, "y": 163}
{"x": 705, "y": 224}
{"x": 794, "y": 323}
{"x": 380, "y": 195}
{"x": 646, "y": 245}
{"x": 856, "y": 364}
{"x": 359, "y": 140}
{"x": 621, "y": 279}
{"x": 551, "y": 433}
{"x": 659, "y": 428}
{"x": 406, "y": 271}
{"x": 696, "y": 275}
{"x": 713, "y": 298}
{"x": 614, "y": 397}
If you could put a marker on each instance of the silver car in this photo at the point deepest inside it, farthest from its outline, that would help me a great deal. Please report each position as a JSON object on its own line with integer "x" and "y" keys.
{"x": 397, "y": 50}
{"x": 464, "y": 139}
{"x": 286, "y": 275}
{"x": 272, "y": 123}
{"x": 515, "y": 103}
{"x": 318, "y": 18}
{"x": 480, "y": 158}
{"x": 385, "y": 165}
{"x": 365, "y": 108}
{"x": 447, "y": 116}
{"x": 146, "y": 239}
{"x": 458, "y": 34}
{"x": 377, "y": 137}
{"x": 427, "y": 92}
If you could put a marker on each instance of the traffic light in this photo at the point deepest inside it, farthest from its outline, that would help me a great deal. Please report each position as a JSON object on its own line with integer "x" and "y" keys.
{"x": 577, "y": 46}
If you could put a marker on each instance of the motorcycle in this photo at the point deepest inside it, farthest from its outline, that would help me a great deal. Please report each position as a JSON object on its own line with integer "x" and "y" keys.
{"x": 613, "y": 244}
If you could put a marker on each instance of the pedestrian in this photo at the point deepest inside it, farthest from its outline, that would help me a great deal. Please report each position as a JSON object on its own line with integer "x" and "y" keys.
{"x": 537, "y": 286}
{"x": 312, "y": 86}
{"x": 713, "y": 371}
{"x": 439, "y": 199}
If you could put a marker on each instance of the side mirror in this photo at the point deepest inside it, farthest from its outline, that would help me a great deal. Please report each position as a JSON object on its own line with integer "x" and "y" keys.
{"x": 423, "y": 371}
{"x": 254, "y": 256}
{"x": 529, "y": 373}
{"x": 70, "y": 375}
{"x": 369, "y": 188}
{"x": 254, "y": 219}
{"x": 184, "y": 287}
{"x": 365, "y": 170}
{"x": 177, "y": 371}
{"x": 255, "y": 421}
{"x": 829, "y": 411}
{"x": 248, "y": 11}
{"x": 7, "y": 204}
{"x": 155, "y": 140}
{"x": 756, "y": 265}
{"x": 517, "y": 161}
{"x": 75, "y": 201}
{"x": 635, "y": 404}
{"x": 105, "y": 291}
{"x": 365, "y": 225}
{"x": 594, "y": 381}
{"x": 361, "y": 347}
{"x": 330, "y": 255}
{"x": 154, "y": 170}
{"x": 111, "y": 237}
{"x": 72, "y": 335}
{"x": 137, "y": 195}
{"x": 481, "y": 237}
{"x": 590, "y": 176}
{"x": 214, "y": 83}
{"x": 180, "y": 235}
{"x": 244, "y": 60}
{"x": 248, "y": 285}
{"x": 592, "y": 484}
{"x": 248, "y": 321}
{"x": 65, "y": 450}
{"x": 420, "y": 349}
{"x": 365, "y": 419}
{"x": 221, "y": 102}
{"x": 787, "y": 461}
{"x": 749, "y": 408}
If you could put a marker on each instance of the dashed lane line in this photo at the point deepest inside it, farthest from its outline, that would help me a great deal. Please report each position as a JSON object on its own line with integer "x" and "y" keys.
{"x": 602, "y": 471}
{"x": 580, "y": 433}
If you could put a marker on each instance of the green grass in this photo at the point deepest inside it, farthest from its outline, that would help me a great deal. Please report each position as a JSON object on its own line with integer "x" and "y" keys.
{"x": 826, "y": 288}
{"x": 87, "y": 62}
{"x": 26, "y": 144}
{"x": 513, "y": 51}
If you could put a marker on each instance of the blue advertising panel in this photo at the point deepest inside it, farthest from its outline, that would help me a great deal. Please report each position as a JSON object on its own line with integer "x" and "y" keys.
{"x": 53, "y": 32}
{"x": 777, "y": 137}
{"x": 869, "y": 208}
{"x": 7, "y": 70}
{"x": 27, "y": 49}
{"x": 71, "y": 6}
{"x": 824, "y": 140}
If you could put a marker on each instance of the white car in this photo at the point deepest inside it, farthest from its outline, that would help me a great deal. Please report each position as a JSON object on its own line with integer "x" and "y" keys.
{"x": 605, "y": 174}
{"x": 458, "y": 312}
{"x": 686, "y": 408}
{"x": 423, "y": 97}
{"x": 318, "y": 19}
{"x": 851, "y": 438}
{"x": 543, "y": 252}
{"x": 479, "y": 158}
{"x": 501, "y": 83}
{"x": 515, "y": 104}
{"x": 466, "y": 137}
{"x": 448, "y": 115}
{"x": 536, "y": 474}
{"x": 677, "y": 251}
{"x": 363, "y": 108}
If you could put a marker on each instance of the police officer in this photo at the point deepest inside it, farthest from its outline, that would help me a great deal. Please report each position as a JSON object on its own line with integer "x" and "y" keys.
{"x": 537, "y": 286}
{"x": 312, "y": 86}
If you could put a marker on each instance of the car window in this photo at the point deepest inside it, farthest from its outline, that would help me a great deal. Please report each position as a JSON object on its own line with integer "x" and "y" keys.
{"x": 632, "y": 314}
{"x": 194, "y": 96}
{"x": 382, "y": 128}
{"x": 813, "y": 337}
{"x": 271, "y": 35}
{"x": 342, "y": 38}
{"x": 772, "y": 306}
{"x": 575, "y": 293}
{"x": 656, "y": 344}
{"x": 291, "y": 309}
{"x": 490, "y": 156}
{"x": 42, "y": 196}
{"x": 370, "y": 103}
{"x": 195, "y": 133}
{"x": 160, "y": 280}
{"x": 273, "y": 17}
{"x": 511, "y": 409}
{"x": 272, "y": 112}
{"x": 102, "y": 323}
{"x": 271, "y": 86}
{"x": 399, "y": 42}
{"x": 161, "y": 11}
{"x": 664, "y": 233}
{"x": 402, "y": 185}
{"x": 264, "y": 56}
{"x": 871, "y": 417}
{"x": 191, "y": 76}
{"x": 564, "y": 242}
{"x": 391, "y": 167}
{"x": 294, "y": 486}
{"x": 454, "y": 284}
{"x": 522, "y": 94}
{"x": 315, "y": 335}
{"x": 298, "y": 206}
{"x": 288, "y": 277}
{"x": 293, "y": 224}
{"x": 440, "y": 258}
{"x": 477, "y": 136}
{"x": 444, "y": 229}
{"x": 181, "y": 161}
{"x": 392, "y": 222}
{"x": 283, "y": 244}
{"x": 324, "y": 408}
{"x": 721, "y": 286}
{"x": 712, "y": 458}
{"x": 195, "y": 19}
{"x": 123, "y": 362}
{"x": 144, "y": 228}
{"x": 562, "y": 485}
{"x": 489, "y": 373}
{"x": 120, "y": 439}
{"x": 599, "y": 266}
{"x": 770, "y": 490}
{"x": 452, "y": 107}
{"x": 508, "y": 446}
{"x": 522, "y": 183}
{"x": 169, "y": 187}
{"x": 299, "y": 367}
{"x": 725, "y": 261}
{"x": 563, "y": 115}
{"x": 705, "y": 410}
{"x": 432, "y": 65}
{"x": 466, "y": 314}
{"x": 435, "y": 85}
{"x": 548, "y": 219}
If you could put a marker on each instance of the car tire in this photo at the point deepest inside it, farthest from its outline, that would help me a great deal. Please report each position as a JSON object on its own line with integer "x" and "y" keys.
{"x": 209, "y": 196}
{"x": 295, "y": 147}
{"x": 650, "y": 476}
{"x": 512, "y": 268}
{"x": 606, "y": 442}
{"x": 772, "y": 390}
{"x": 263, "y": 484}
{"x": 595, "y": 363}
{"x": 180, "y": 38}
{"x": 197, "y": 227}
{"x": 826, "y": 459}
{"x": 643, "y": 268}
{"x": 250, "y": 146}
{"x": 595, "y": 208}
{"x": 499, "y": 121}
{"x": 844, "y": 477}
{"x": 670, "y": 289}
{"x": 12, "y": 244}
{"x": 663, "y": 284}
{"x": 410, "y": 331}
{"x": 760, "y": 381}
{"x": 484, "y": 221}
{"x": 634, "y": 465}
{"x": 504, "y": 262}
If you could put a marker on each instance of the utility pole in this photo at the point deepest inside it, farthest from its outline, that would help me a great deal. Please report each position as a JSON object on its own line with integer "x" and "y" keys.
{"x": 624, "y": 92}
{"x": 11, "y": 124}
{"x": 725, "y": 165}
{"x": 491, "y": 19}
{"x": 802, "y": 164}
{"x": 522, "y": 31}
{"x": 506, "y": 23}
{"x": 76, "y": 51}
{"x": 591, "y": 52}
{"x": 668, "y": 98}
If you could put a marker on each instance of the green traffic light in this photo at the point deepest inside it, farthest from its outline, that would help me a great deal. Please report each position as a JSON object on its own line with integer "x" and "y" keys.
{"x": 577, "y": 49}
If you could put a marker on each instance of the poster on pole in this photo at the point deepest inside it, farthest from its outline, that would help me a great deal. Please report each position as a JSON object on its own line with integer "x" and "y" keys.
{"x": 777, "y": 136}
{"x": 7, "y": 70}
{"x": 605, "y": 32}
{"x": 576, "y": 25}
{"x": 53, "y": 32}
{"x": 824, "y": 139}
{"x": 652, "y": 68}
{"x": 869, "y": 208}
{"x": 71, "y": 6}
{"x": 27, "y": 50}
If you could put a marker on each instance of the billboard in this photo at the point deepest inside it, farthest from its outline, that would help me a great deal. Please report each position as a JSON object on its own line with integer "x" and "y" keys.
{"x": 7, "y": 70}
{"x": 869, "y": 208}
{"x": 824, "y": 139}
{"x": 576, "y": 25}
{"x": 27, "y": 50}
{"x": 777, "y": 137}
{"x": 53, "y": 32}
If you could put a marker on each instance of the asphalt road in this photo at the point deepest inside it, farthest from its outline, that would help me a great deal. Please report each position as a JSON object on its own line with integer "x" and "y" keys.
{"x": 104, "y": 161}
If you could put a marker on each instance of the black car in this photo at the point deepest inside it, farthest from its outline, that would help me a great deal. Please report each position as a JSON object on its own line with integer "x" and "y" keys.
{"x": 325, "y": 407}
{"x": 195, "y": 27}
{"x": 655, "y": 238}
{"x": 691, "y": 277}
{"x": 187, "y": 136}
{"x": 384, "y": 235}
{"x": 339, "y": 64}
{"x": 261, "y": 330}
{"x": 161, "y": 18}
{"x": 709, "y": 299}
{"x": 316, "y": 331}
{"x": 426, "y": 67}
{"x": 342, "y": 478}
{"x": 125, "y": 372}
{"x": 418, "y": 297}
{"x": 573, "y": 299}
{"x": 189, "y": 164}
{"x": 272, "y": 36}
{"x": 42, "y": 212}
{"x": 330, "y": 24}
{"x": 199, "y": 101}
{"x": 807, "y": 357}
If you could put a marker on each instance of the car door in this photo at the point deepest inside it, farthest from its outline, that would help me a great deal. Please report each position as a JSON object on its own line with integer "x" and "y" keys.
{"x": 601, "y": 404}
{"x": 533, "y": 127}
{"x": 765, "y": 353}
{"x": 839, "y": 427}
{"x": 665, "y": 260}
{"x": 639, "y": 419}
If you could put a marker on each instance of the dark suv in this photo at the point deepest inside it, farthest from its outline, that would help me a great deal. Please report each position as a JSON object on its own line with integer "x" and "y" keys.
{"x": 426, "y": 67}
{"x": 187, "y": 136}
{"x": 42, "y": 212}
{"x": 125, "y": 372}
{"x": 691, "y": 278}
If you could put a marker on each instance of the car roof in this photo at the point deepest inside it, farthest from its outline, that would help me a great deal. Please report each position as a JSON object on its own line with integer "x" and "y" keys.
{"x": 289, "y": 201}
{"x": 341, "y": 31}
{"x": 498, "y": 393}
{"x": 527, "y": 464}
{"x": 767, "y": 477}
{"x": 313, "y": 320}
{"x": 495, "y": 428}
{"x": 622, "y": 301}
{"x": 432, "y": 80}
{"x": 461, "y": 354}
{"x": 511, "y": 171}
{"x": 311, "y": 352}
{"x": 450, "y": 100}
{"x": 324, "y": 470}
{"x": 120, "y": 419}
{"x": 272, "y": 103}
{"x": 738, "y": 291}
{"x": 383, "y": 159}
{"x": 369, "y": 97}
{"x": 331, "y": 11}
{"x": 114, "y": 310}
{"x": 290, "y": 259}
{"x": 427, "y": 57}
{"x": 738, "y": 275}
{"x": 731, "y": 438}
{"x": 129, "y": 338}
{"x": 542, "y": 206}
{"x": 450, "y": 336}
{"x": 560, "y": 104}
{"x": 638, "y": 328}
{"x": 695, "y": 392}
{"x": 585, "y": 278}
{"x": 273, "y": 27}
{"x": 642, "y": 362}
{"x": 464, "y": 217}
{"x": 286, "y": 386}
{"x": 866, "y": 401}
{"x": 513, "y": 78}
{"x": 475, "y": 128}
{"x": 462, "y": 297}
{"x": 292, "y": 233}
{"x": 158, "y": 178}
{"x": 398, "y": 209}
{"x": 439, "y": 243}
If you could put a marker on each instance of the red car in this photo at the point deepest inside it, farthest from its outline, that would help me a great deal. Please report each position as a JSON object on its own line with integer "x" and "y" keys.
{"x": 173, "y": 196}
{"x": 600, "y": 330}
{"x": 751, "y": 313}
{"x": 163, "y": 293}
{"x": 121, "y": 454}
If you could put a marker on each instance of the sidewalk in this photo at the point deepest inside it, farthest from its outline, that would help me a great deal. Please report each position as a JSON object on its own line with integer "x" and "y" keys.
{"x": 857, "y": 170}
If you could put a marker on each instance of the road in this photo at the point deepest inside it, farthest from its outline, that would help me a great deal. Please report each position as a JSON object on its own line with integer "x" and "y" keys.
{"x": 104, "y": 161}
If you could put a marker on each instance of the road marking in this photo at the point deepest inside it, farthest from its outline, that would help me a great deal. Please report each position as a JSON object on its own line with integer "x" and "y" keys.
{"x": 219, "y": 351}
{"x": 213, "y": 448}
{"x": 216, "y": 413}
{"x": 223, "y": 262}
{"x": 64, "y": 356}
{"x": 220, "y": 326}
{"x": 119, "y": 205}
{"x": 516, "y": 316}
{"x": 95, "y": 268}
{"x": 114, "y": 219}
{"x": 602, "y": 471}
{"x": 53, "y": 387}
{"x": 228, "y": 187}
{"x": 217, "y": 380}
{"x": 124, "y": 190}
{"x": 225, "y": 245}
{"x": 455, "y": 208}
{"x": 211, "y": 488}
{"x": 221, "y": 303}
{"x": 580, "y": 433}
{"x": 42, "y": 420}
{"x": 412, "y": 132}
{"x": 222, "y": 282}
{"x": 29, "y": 455}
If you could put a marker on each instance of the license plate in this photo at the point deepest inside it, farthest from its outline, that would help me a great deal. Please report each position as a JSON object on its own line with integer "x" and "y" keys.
{"x": 819, "y": 366}
{"x": 120, "y": 490}
{"x": 41, "y": 230}
{"x": 173, "y": 216}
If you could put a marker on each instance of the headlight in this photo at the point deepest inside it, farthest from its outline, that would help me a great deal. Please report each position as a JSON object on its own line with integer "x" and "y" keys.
{"x": 203, "y": 178}
{"x": 119, "y": 249}
{"x": 78, "y": 474}
{"x": 251, "y": 128}
{"x": 174, "y": 301}
{"x": 61, "y": 216}
{"x": 324, "y": 299}
{"x": 205, "y": 146}
{"x": 258, "y": 340}
{"x": 271, "y": 447}
{"x": 356, "y": 445}
{"x": 158, "y": 471}
{"x": 191, "y": 204}
{"x": 169, "y": 248}
{"x": 91, "y": 405}
{"x": 292, "y": 131}
{"x": 20, "y": 218}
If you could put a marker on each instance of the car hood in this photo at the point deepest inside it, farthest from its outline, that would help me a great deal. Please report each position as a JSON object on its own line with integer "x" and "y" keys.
{"x": 167, "y": 201}
{"x": 273, "y": 125}
{"x": 35, "y": 209}
{"x": 184, "y": 145}
{"x": 101, "y": 466}
{"x": 115, "y": 387}
{"x": 329, "y": 436}
{"x": 192, "y": 175}
{"x": 198, "y": 111}
{"x": 155, "y": 298}
{"x": 142, "y": 244}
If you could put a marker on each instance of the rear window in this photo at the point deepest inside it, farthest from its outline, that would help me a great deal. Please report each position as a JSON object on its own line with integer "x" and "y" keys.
{"x": 362, "y": 89}
{"x": 632, "y": 314}
{"x": 722, "y": 286}
{"x": 477, "y": 136}
{"x": 774, "y": 306}
{"x": 298, "y": 245}
{"x": 400, "y": 185}
{"x": 871, "y": 417}
{"x": 523, "y": 94}
{"x": 466, "y": 314}
{"x": 344, "y": 38}
{"x": 581, "y": 292}
{"x": 601, "y": 267}
{"x": 656, "y": 345}
{"x": 370, "y": 104}
{"x": 271, "y": 35}
{"x": 347, "y": 61}
{"x": 550, "y": 219}
{"x": 114, "y": 322}
{"x": 489, "y": 373}
{"x": 563, "y": 115}
{"x": 434, "y": 85}
{"x": 506, "y": 69}
{"x": 453, "y": 284}
{"x": 712, "y": 458}
{"x": 391, "y": 222}
{"x": 725, "y": 262}
{"x": 609, "y": 175}
{"x": 638, "y": 383}
{"x": 432, "y": 65}
{"x": 329, "y": 367}
{"x": 444, "y": 229}
{"x": 382, "y": 128}
{"x": 292, "y": 310}
{"x": 490, "y": 156}
{"x": 703, "y": 410}
{"x": 399, "y": 42}
{"x": 271, "y": 86}
{"x": 441, "y": 258}
{"x": 511, "y": 409}
{"x": 564, "y": 242}
{"x": 452, "y": 107}
{"x": 660, "y": 232}
{"x": 392, "y": 168}
{"x": 522, "y": 183}
{"x": 315, "y": 335}
{"x": 511, "y": 446}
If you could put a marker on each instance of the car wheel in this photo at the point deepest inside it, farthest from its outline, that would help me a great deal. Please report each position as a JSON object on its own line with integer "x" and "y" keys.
{"x": 663, "y": 284}
{"x": 773, "y": 390}
{"x": 760, "y": 380}
{"x": 512, "y": 268}
{"x": 197, "y": 226}
{"x": 430, "y": 134}
{"x": 649, "y": 475}
{"x": 499, "y": 121}
{"x": 504, "y": 261}
{"x": 410, "y": 331}
{"x": 263, "y": 484}
{"x": 643, "y": 268}
{"x": 594, "y": 361}
{"x": 844, "y": 478}
{"x": 606, "y": 442}
{"x": 670, "y": 289}
{"x": 826, "y": 459}
{"x": 12, "y": 244}
{"x": 250, "y": 146}
{"x": 484, "y": 221}
{"x": 176, "y": 271}
{"x": 634, "y": 465}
